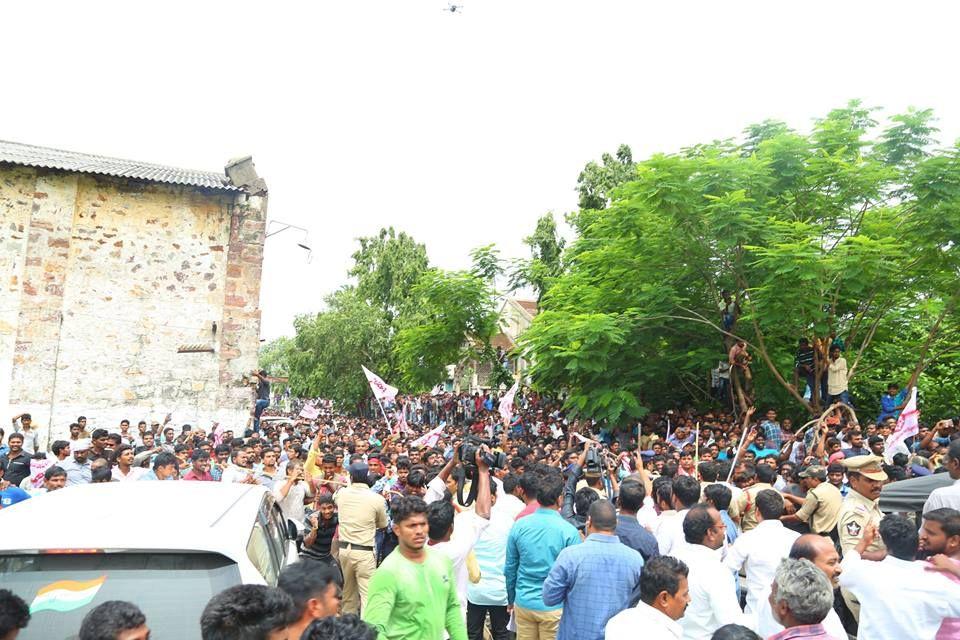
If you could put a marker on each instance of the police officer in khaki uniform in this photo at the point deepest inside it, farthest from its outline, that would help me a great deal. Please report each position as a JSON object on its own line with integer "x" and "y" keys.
{"x": 820, "y": 508}
{"x": 860, "y": 508}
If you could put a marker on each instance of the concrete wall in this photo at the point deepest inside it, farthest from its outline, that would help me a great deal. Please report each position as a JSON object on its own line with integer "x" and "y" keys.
{"x": 107, "y": 278}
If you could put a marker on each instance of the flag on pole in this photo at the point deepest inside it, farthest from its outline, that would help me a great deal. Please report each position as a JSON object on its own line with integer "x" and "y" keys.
{"x": 908, "y": 424}
{"x": 401, "y": 426}
{"x": 381, "y": 389}
{"x": 506, "y": 402}
{"x": 309, "y": 411}
{"x": 430, "y": 438}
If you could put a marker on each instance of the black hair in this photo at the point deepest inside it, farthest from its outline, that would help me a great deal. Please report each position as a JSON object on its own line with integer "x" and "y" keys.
{"x": 708, "y": 471}
{"x": 18, "y": 436}
{"x": 734, "y": 632}
{"x": 58, "y": 446}
{"x": 603, "y": 515}
{"x": 661, "y": 573}
{"x": 221, "y": 448}
{"x": 803, "y": 550}
{"x": 407, "y": 506}
{"x": 949, "y": 520}
{"x": 549, "y": 487}
{"x": 199, "y": 454}
{"x": 417, "y": 476}
{"x": 836, "y": 467}
{"x": 770, "y": 504}
{"x": 900, "y": 537}
{"x": 440, "y": 516}
{"x": 106, "y": 621}
{"x": 347, "y": 627}
{"x": 697, "y": 523}
{"x": 403, "y": 462}
{"x": 663, "y": 490}
{"x": 119, "y": 451}
{"x": 246, "y": 612}
{"x": 305, "y": 580}
{"x": 529, "y": 482}
{"x": 766, "y": 473}
{"x": 14, "y": 613}
{"x": 686, "y": 490}
{"x": 874, "y": 439}
{"x": 325, "y": 498}
{"x": 631, "y": 495}
{"x": 582, "y": 499}
{"x": 101, "y": 474}
{"x": 99, "y": 433}
{"x": 510, "y": 482}
{"x": 53, "y": 471}
{"x": 164, "y": 459}
{"x": 718, "y": 495}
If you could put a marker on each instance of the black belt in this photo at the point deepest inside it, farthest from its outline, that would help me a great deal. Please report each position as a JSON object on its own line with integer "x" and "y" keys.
{"x": 358, "y": 547}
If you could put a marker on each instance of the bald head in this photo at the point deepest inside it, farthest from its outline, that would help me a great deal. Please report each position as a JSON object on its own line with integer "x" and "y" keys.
{"x": 820, "y": 551}
{"x": 603, "y": 517}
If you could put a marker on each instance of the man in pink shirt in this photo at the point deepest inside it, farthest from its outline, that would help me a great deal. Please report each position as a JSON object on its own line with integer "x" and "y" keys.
{"x": 199, "y": 467}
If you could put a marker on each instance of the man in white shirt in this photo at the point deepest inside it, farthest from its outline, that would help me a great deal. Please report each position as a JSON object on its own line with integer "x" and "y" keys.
{"x": 78, "y": 466}
{"x": 489, "y": 595}
{"x": 669, "y": 533}
{"x": 23, "y": 424}
{"x": 760, "y": 550}
{"x": 664, "y": 596}
{"x": 505, "y": 502}
{"x": 237, "y": 470}
{"x": 898, "y": 597}
{"x": 947, "y": 496}
{"x": 823, "y": 554}
{"x": 713, "y": 600}
{"x": 455, "y": 536}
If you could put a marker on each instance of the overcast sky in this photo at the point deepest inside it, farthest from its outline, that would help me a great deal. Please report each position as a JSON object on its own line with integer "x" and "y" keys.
{"x": 461, "y": 129}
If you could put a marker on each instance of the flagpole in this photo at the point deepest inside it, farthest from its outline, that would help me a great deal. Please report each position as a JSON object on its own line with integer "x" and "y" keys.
{"x": 385, "y": 419}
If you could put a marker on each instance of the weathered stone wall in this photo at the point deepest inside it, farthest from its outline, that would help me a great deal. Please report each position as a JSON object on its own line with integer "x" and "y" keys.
{"x": 107, "y": 278}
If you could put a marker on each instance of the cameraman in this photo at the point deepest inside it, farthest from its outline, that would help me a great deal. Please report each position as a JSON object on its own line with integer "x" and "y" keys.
{"x": 442, "y": 518}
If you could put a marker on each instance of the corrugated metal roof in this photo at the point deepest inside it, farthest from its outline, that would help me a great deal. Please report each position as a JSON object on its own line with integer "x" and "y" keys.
{"x": 33, "y": 156}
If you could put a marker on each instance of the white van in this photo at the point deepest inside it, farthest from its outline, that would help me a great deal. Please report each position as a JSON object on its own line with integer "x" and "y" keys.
{"x": 168, "y": 547}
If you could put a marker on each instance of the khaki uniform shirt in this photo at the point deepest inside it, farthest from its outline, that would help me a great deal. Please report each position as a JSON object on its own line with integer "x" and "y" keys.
{"x": 856, "y": 513}
{"x": 821, "y": 508}
{"x": 360, "y": 512}
{"x": 745, "y": 507}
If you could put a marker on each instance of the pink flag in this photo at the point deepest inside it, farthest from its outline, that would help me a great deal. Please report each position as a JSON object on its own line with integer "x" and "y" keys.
{"x": 401, "y": 426}
{"x": 309, "y": 411}
{"x": 381, "y": 389}
{"x": 37, "y": 469}
{"x": 430, "y": 438}
{"x": 908, "y": 424}
{"x": 506, "y": 402}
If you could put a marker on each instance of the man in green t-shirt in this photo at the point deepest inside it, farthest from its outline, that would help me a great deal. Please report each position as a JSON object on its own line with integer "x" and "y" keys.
{"x": 413, "y": 595}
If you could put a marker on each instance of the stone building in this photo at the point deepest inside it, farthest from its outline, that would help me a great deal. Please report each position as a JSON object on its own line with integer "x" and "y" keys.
{"x": 132, "y": 289}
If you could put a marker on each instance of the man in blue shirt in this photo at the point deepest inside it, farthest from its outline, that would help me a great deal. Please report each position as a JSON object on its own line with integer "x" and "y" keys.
{"x": 595, "y": 580}
{"x": 629, "y": 530}
{"x": 892, "y": 402}
{"x": 533, "y": 545}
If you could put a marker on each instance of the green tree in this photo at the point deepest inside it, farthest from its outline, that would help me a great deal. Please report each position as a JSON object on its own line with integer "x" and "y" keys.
{"x": 451, "y": 320}
{"x": 330, "y": 347}
{"x": 810, "y": 231}
{"x": 596, "y": 182}
{"x": 274, "y": 356}
{"x": 386, "y": 268}
{"x": 546, "y": 262}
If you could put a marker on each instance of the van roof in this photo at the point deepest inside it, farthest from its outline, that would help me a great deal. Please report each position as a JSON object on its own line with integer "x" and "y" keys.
{"x": 142, "y": 516}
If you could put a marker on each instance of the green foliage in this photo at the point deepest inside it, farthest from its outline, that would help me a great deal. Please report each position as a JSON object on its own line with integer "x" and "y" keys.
{"x": 839, "y": 231}
{"x": 330, "y": 347}
{"x": 452, "y": 320}
{"x": 386, "y": 267}
{"x": 546, "y": 262}
{"x": 597, "y": 181}
{"x": 274, "y": 356}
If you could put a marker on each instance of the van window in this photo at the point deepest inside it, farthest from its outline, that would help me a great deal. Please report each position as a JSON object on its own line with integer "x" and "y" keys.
{"x": 278, "y": 532}
{"x": 261, "y": 553}
{"x": 170, "y": 588}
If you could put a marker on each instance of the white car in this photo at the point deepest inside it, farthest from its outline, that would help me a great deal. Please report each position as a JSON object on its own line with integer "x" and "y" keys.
{"x": 168, "y": 547}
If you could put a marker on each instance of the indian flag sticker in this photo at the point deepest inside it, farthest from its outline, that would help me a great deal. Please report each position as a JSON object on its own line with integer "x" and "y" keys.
{"x": 66, "y": 595}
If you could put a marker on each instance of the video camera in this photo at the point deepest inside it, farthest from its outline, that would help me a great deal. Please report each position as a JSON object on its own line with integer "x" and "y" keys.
{"x": 592, "y": 463}
{"x": 468, "y": 459}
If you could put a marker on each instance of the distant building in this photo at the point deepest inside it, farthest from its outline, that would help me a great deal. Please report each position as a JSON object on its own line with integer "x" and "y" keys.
{"x": 132, "y": 289}
{"x": 515, "y": 317}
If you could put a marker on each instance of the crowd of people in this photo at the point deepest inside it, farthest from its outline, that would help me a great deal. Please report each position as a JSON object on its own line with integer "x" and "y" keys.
{"x": 446, "y": 519}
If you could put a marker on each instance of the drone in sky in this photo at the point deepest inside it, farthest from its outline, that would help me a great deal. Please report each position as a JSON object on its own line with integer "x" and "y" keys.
{"x": 454, "y": 8}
